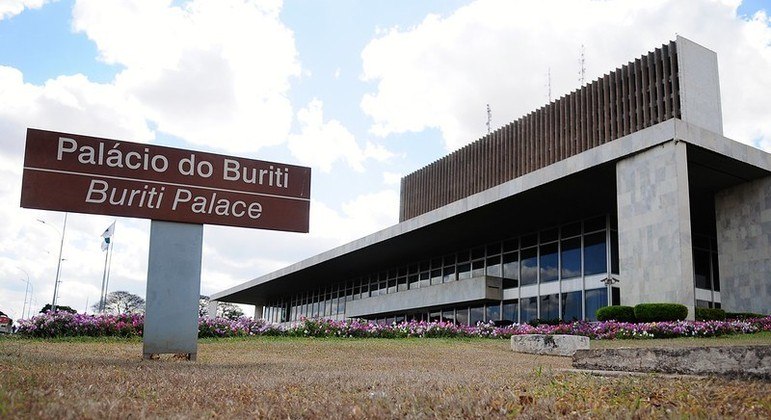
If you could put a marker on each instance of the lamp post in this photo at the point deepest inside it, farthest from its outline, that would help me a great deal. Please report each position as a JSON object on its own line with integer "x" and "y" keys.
{"x": 26, "y": 291}
{"x": 59, "y": 261}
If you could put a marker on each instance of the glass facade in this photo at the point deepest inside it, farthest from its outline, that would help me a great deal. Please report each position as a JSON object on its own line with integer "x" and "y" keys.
{"x": 706, "y": 273}
{"x": 553, "y": 274}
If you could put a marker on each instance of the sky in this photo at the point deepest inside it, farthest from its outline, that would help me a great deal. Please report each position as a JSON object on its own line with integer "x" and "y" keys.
{"x": 363, "y": 92}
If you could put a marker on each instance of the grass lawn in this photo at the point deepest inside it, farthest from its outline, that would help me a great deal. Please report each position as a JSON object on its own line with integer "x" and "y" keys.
{"x": 349, "y": 378}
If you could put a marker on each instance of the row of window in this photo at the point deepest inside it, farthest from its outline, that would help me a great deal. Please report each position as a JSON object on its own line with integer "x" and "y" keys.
{"x": 568, "y": 307}
{"x": 568, "y": 251}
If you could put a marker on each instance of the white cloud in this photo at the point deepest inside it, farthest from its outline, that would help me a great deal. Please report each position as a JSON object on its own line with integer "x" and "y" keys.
{"x": 214, "y": 73}
{"x": 67, "y": 103}
{"x": 392, "y": 178}
{"x": 361, "y": 216}
{"x": 11, "y": 8}
{"x": 321, "y": 144}
{"x": 443, "y": 72}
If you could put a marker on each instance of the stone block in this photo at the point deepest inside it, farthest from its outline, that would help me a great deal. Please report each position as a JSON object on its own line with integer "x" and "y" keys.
{"x": 734, "y": 361}
{"x": 555, "y": 345}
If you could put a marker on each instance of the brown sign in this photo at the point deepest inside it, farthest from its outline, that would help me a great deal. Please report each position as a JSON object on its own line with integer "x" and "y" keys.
{"x": 68, "y": 172}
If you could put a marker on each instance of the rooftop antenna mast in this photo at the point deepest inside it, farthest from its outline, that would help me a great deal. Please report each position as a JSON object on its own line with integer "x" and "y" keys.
{"x": 548, "y": 83}
{"x": 489, "y": 118}
{"x": 582, "y": 63}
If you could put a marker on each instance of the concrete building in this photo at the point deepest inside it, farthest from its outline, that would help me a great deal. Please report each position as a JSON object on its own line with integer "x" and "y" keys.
{"x": 624, "y": 191}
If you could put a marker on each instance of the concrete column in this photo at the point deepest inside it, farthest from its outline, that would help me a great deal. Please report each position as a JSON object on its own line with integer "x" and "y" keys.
{"x": 744, "y": 246}
{"x": 258, "y": 311}
{"x": 654, "y": 227}
{"x": 212, "y": 309}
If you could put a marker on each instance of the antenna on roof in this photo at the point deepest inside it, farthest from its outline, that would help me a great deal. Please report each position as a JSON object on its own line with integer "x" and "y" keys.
{"x": 548, "y": 83}
{"x": 582, "y": 62}
{"x": 489, "y": 118}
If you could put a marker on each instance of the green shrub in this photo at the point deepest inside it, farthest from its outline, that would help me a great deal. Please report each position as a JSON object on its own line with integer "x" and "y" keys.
{"x": 618, "y": 313}
{"x": 710, "y": 314}
{"x": 660, "y": 312}
{"x": 742, "y": 315}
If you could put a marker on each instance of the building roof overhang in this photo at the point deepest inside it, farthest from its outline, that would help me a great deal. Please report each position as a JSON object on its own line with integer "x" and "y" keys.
{"x": 584, "y": 183}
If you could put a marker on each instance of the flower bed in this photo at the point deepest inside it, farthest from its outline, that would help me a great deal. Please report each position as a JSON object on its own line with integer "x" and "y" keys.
{"x": 63, "y": 324}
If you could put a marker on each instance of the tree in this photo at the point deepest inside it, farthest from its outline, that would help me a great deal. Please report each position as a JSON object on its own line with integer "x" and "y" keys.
{"x": 59, "y": 308}
{"x": 203, "y": 306}
{"x": 229, "y": 311}
{"x": 224, "y": 310}
{"x": 121, "y": 302}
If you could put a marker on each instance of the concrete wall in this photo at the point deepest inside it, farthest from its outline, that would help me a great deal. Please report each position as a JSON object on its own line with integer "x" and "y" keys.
{"x": 744, "y": 246}
{"x": 455, "y": 292}
{"x": 655, "y": 255}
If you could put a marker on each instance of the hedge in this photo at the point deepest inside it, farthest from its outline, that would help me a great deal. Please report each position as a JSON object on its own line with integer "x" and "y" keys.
{"x": 710, "y": 314}
{"x": 660, "y": 312}
{"x": 617, "y": 313}
{"x": 743, "y": 315}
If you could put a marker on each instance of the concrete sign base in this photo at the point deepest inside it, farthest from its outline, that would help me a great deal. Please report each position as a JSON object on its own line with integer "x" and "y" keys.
{"x": 173, "y": 289}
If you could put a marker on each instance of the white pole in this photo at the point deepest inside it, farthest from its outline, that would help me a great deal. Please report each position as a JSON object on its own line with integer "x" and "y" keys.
{"x": 26, "y": 291}
{"x": 104, "y": 279}
{"x": 59, "y": 265}
{"x": 109, "y": 267}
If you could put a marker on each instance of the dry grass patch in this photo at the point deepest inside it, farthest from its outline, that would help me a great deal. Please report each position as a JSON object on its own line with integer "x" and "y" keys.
{"x": 344, "y": 378}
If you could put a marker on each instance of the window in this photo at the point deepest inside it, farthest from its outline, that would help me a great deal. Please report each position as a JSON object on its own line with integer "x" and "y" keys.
{"x": 510, "y": 310}
{"x": 614, "y": 252}
{"x": 424, "y": 280}
{"x": 529, "y": 266}
{"x": 701, "y": 269}
{"x": 461, "y": 316}
{"x": 511, "y": 245}
{"x": 414, "y": 282}
{"x": 476, "y": 314}
{"x": 595, "y": 299}
{"x": 549, "y": 235}
{"x": 448, "y": 274}
{"x": 715, "y": 273}
{"x": 436, "y": 276}
{"x": 593, "y": 224}
{"x": 477, "y": 253}
{"x": 550, "y": 307}
{"x": 448, "y": 315}
{"x": 595, "y": 254}
{"x": 493, "y": 312}
{"x": 402, "y": 284}
{"x": 549, "y": 262}
{"x": 573, "y": 229}
{"x": 529, "y": 309}
{"x": 478, "y": 268}
{"x": 464, "y": 271}
{"x": 571, "y": 258}
{"x": 571, "y": 306}
{"x": 494, "y": 266}
{"x": 510, "y": 270}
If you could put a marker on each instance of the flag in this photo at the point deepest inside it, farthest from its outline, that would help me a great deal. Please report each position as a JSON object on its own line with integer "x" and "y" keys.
{"x": 107, "y": 236}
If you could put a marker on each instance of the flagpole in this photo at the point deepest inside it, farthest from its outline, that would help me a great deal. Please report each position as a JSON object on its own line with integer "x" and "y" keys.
{"x": 109, "y": 268}
{"x": 106, "y": 239}
{"x": 104, "y": 279}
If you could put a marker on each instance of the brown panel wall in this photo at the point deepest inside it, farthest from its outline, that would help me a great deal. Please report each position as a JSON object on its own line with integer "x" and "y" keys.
{"x": 640, "y": 94}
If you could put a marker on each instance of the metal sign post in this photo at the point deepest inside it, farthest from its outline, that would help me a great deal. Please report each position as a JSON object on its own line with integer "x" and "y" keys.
{"x": 173, "y": 285}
